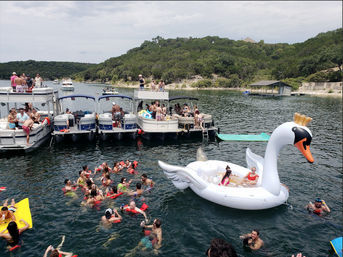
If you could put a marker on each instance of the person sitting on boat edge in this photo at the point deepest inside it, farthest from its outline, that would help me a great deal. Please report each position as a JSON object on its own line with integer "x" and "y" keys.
{"x": 219, "y": 247}
{"x": 12, "y": 118}
{"x": 319, "y": 207}
{"x": 21, "y": 117}
{"x": 13, "y": 235}
{"x": 36, "y": 115}
{"x": 252, "y": 177}
{"x": 252, "y": 240}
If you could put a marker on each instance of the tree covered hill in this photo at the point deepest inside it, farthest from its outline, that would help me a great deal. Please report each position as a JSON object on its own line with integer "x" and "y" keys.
{"x": 48, "y": 70}
{"x": 235, "y": 62}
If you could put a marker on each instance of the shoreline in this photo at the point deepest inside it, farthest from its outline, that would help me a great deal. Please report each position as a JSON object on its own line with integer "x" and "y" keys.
{"x": 174, "y": 86}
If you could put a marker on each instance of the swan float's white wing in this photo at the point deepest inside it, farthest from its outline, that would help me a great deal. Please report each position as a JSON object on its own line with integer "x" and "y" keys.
{"x": 254, "y": 160}
{"x": 201, "y": 156}
{"x": 181, "y": 176}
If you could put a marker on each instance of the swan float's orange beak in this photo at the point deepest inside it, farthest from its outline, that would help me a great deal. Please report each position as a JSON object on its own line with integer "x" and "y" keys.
{"x": 302, "y": 141}
{"x": 305, "y": 149}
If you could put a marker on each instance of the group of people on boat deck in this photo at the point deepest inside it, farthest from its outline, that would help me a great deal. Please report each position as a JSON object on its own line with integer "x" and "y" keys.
{"x": 24, "y": 83}
{"x": 94, "y": 195}
{"x": 158, "y": 87}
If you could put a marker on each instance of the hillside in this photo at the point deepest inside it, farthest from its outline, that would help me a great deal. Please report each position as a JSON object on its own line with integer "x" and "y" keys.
{"x": 235, "y": 62}
{"x": 48, "y": 70}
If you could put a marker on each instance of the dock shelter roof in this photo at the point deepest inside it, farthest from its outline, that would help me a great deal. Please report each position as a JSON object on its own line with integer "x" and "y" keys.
{"x": 269, "y": 83}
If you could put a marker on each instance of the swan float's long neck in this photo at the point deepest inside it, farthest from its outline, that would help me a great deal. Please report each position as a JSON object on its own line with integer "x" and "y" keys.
{"x": 281, "y": 136}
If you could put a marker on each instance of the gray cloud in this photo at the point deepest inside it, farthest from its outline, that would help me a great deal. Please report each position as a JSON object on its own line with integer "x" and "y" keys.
{"x": 95, "y": 31}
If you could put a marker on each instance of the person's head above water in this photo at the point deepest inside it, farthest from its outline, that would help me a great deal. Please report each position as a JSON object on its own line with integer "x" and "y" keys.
{"x": 13, "y": 231}
{"x": 318, "y": 202}
{"x": 67, "y": 181}
{"x": 220, "y": 248}
{"x": 253, "y": 169}
{"x": 255, "y": 234}
{"x": 108, "y": 213}
{"x": 157, "y": 223}
{"x": 132, "y": 205}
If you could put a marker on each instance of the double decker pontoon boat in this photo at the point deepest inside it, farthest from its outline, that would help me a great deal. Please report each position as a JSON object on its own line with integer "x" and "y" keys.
{"x": 14, "y": 140}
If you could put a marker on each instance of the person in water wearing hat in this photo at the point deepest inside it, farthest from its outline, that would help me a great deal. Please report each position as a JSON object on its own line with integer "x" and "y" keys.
{"x": 111, "y": 216}
{"x": 319, "y": 207}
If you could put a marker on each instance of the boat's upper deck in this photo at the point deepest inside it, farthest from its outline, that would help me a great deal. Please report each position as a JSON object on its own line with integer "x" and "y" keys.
{"x": 38, "y": 95}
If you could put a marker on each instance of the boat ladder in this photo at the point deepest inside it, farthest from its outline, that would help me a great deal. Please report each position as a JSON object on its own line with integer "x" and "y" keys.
{"x": 205, "y": 134}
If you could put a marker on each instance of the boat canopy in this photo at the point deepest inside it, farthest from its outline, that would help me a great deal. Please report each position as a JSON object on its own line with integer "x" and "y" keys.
{"x": 111, "y": 96}
{"x": 182, "y": 97}
{"x": 75, "y": 96}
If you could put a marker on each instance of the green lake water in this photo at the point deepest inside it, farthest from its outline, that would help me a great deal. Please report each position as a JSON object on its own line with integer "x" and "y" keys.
{"x": 188, "y": 221}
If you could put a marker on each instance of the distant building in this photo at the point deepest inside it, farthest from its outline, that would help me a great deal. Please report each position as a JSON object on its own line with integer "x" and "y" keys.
{"x": 248, "y": 39}
{"x": 267, "y": 87}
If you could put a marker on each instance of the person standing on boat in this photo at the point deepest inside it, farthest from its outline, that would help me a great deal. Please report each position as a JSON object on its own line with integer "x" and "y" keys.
{"x": 13, "y": 84}
{"x": 252, "y": 240}
{"x": 153, "y": 85}
{"x": 19, "y": 84}
{"x": 161, "y": 86}
{"x": 141, "y": 81}
{"x": 38, "y": 81}
{"x": 29, "y": 82}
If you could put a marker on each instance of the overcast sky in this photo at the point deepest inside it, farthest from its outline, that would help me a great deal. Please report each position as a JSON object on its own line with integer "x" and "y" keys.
{"x": 95, "y": 31}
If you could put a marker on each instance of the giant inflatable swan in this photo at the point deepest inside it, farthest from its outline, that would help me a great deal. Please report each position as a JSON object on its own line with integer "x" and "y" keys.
{"x": 203, "y": 176}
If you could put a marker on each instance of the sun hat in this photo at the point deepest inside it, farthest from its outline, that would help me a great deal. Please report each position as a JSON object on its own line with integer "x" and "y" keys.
{"x": 14, "y": 73}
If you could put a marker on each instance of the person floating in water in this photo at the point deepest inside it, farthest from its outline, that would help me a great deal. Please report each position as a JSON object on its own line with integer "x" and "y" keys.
{"x": 13, "y": 235}
{"x": 252, "y": 240}
{"x": 111, "y": 216}
{"x": 220, "y": 247}
{"x": 319, "y": 207}
{"x": 56, "y": 253}
{"x": 7, "y": 212}
{"x": 133, "y": 209}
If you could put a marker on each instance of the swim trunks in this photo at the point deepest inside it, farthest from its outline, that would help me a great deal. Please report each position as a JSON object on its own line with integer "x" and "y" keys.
{"x": 11, "y": 125}
{"x": 26, "y": 129}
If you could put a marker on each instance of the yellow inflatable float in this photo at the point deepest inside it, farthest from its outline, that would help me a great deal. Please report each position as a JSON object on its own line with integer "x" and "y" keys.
{"x": 22, "y": 212}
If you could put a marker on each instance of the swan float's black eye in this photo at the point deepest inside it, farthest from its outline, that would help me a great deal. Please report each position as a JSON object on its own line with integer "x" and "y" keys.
{"x": 300, "y": 134}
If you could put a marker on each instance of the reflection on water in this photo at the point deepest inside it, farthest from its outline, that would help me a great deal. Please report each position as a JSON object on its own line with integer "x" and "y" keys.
{"x": 189, "y": 222}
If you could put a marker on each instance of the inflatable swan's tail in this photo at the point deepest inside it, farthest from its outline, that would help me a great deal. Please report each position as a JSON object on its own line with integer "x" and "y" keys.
{"x": 180, "y": 176}
{"x": 201, "y": 156}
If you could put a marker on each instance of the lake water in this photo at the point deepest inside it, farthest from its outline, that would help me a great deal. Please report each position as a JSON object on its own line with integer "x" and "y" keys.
{"x": 189, "y": 222}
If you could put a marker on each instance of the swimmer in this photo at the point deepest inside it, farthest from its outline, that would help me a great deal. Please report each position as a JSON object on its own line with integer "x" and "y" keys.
{"x": 7, "y": 213}
{"x": 132, "y": 207}
{"x": 106, "y": 181}
{"x": 87, "y": 172}
{"x": 81, "y": 181}
{"x": 12, "y": 237}
{"x": 68, "y": 186}
{"x": 319, "y": 207}
{"x": 56, "y": 253}
{"x": 131, "y": 169}
{"x": 252, "y": 240}
{"x": 251, "y": 178}
{"x": 146, "y": 181}
{"x": 94, "y": 198}
{"x": 123, "y": 185}
{"x": 111, "y": 216}
{"x": 139, "y": 191}
{"x": 127, "y": 163}
{"x": 151, "y": 240}
{"x": 155, "y": 229}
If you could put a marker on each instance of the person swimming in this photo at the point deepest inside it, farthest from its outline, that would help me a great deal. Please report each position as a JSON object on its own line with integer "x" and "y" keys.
{"x": 319, "y": 207}
{"x": 13, "y": 235}
{"x": 111, "y": 216}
